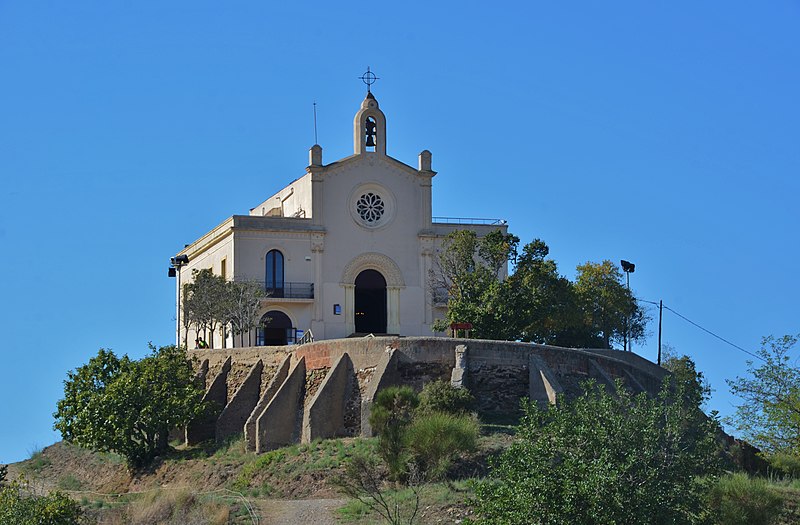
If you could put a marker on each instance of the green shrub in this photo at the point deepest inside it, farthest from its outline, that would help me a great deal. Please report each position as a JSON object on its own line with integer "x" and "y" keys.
{"x": 3, "y": 473}
{"x": 52, "y": 509}
{"x": 603, "y": 458}
{"x": 441, "y": 396}
{"x": 434, "y": 439}
{"x": 786, "y": 464}
{"x": 737, "y": 499}
{"x": 392, "y": 412}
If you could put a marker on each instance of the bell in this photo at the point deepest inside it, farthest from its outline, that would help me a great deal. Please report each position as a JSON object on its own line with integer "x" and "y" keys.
{"x": 371, "y": 140}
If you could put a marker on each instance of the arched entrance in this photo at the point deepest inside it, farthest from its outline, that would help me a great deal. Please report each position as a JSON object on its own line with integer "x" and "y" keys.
{"x": 276, "y": 329}
{"x": 370, "y": 303}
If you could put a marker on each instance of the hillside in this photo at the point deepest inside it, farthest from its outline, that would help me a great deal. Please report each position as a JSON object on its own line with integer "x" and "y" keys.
{"x": 288, "y": 485}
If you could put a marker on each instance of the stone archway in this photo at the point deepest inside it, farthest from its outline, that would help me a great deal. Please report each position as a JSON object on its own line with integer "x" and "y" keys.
{"x": 393, "y": 277}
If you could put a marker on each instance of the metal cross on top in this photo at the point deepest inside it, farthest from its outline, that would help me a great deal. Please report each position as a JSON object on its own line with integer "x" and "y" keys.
{"x": 368, "y": 78}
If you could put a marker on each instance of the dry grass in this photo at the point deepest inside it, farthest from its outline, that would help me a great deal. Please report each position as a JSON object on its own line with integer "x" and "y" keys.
{"x": 169, "y": 507}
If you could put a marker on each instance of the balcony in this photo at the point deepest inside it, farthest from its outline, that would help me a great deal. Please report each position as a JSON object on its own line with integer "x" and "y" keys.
{"x": 290, "y": 291}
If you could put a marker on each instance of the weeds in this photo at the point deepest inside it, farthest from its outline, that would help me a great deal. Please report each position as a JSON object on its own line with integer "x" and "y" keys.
{"x": 737, "y": 499}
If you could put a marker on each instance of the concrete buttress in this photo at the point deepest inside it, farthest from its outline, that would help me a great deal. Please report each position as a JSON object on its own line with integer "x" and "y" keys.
{"x": 324, "y": 417}
{"x": 275, "y": 427}
{"x": 272, "y": 387}
{"x": 205, "y": 428}
{"x": 233, "y": 417}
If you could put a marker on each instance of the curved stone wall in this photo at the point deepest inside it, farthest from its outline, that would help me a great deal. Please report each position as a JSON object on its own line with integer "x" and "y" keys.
{"x": 498, "y": 373}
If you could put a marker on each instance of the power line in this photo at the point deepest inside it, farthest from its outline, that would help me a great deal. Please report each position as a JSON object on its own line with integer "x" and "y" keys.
{"x": 713, "y": 334}
{"x": 748, "y": 352}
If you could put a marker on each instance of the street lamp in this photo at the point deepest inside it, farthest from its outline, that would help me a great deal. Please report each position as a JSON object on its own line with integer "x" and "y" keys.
{"x": 176, "y": 263}
{"x": 627, "y": 267}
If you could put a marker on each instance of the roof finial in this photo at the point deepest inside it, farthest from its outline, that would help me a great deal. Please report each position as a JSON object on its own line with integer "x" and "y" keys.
{"x": 369, "y": 78}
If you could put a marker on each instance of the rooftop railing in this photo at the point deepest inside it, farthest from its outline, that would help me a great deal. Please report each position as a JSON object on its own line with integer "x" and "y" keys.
{"x": 469, "y": 220}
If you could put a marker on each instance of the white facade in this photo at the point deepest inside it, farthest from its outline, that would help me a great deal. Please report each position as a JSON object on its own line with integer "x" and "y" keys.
{"x": 330, "y": 227}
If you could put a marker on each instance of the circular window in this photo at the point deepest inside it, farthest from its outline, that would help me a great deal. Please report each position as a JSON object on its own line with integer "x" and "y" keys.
{"x": 370, "y": 207}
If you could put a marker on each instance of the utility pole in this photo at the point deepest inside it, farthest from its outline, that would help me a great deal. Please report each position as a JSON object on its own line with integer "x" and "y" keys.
{"x": 660, "y": 315}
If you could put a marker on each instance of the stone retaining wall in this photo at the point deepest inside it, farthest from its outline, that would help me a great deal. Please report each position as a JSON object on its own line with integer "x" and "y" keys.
{"x": 498, "y": 373}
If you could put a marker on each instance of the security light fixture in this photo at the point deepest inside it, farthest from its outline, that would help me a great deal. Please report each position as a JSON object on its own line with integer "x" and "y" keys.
{"x": 627, "y": 266}
{"x": 176, "y": 263}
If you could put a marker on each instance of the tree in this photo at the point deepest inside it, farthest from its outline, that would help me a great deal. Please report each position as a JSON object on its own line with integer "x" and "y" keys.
{"x": 769, "y": 416}
{"x": 610, "y": 310}
{"x": 603, "y": 458}
{"x": 469, "y": 270}
{"x": 535, "y": 303}
{"x": 684, "y": 371}
{"x": 128, "y": 407}
{"x": 243, "y": 302}
{"x": 542, "y": 304}
{"x": 205, "y": 300}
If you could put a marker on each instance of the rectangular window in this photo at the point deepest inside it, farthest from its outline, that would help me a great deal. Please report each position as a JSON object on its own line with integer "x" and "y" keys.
{"x": 223, "y": 268}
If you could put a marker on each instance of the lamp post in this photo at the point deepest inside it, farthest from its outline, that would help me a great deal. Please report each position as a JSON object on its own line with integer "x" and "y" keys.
{"x": 176, "y": 263}
{"x": 627, "y": 267}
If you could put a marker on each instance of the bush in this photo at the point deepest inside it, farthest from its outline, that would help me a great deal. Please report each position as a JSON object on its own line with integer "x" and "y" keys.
{"x": 3, "y": 473}
{"x": 786, "y": 464}
{"x": 392, "y": 413}
{"x": 603, "y": 458}
{"x": 20, "y": 509}
{"x": 737, "y": 499}
{"x": 434, "y": 439}
{"x": 441, "y": 396}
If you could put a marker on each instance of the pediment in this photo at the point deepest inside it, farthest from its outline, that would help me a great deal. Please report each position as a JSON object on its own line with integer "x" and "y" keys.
{"x": 368, "y": 159}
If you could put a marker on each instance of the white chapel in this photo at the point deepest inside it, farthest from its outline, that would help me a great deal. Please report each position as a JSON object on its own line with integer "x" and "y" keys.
{"x": 345, "y": 249}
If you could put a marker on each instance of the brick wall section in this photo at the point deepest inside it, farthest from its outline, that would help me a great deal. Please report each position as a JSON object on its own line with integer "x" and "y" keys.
{"x": 271, "y": 388}
{"x": 324, "y": 416}
{"x": 205, "y": 428}
{"x": 232, "y": 419}
{"x": 275, "y": 427}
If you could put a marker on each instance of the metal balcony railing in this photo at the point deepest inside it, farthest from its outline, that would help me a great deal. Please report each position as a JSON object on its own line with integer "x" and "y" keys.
{"x": 290, "y": 291}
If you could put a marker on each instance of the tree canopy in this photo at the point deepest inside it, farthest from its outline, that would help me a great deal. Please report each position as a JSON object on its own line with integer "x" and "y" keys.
{"x": 535, "y": 303}
{"x": 120, "y": 405}
{"x": 604, "y": 458}
{"x": 769, "y": 416}
{"x": 210, "y": 302}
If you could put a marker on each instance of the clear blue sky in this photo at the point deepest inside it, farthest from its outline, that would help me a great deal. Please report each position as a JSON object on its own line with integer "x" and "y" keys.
{"x": 665, "y": 133}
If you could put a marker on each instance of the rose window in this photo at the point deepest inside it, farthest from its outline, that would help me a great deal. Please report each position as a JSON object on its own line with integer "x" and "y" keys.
{"x": 370, "y": 207}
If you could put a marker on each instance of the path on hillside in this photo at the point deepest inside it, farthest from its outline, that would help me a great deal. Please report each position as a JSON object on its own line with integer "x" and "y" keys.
{"x": 298, "y": 511}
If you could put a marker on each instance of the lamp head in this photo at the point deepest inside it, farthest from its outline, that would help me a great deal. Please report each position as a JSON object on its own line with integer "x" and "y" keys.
{"x": 627, "y": 266}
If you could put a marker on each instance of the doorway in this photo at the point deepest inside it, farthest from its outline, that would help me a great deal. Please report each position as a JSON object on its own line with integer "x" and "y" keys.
{"x": 276, "y": 329}
{"x": 370, "y": 303}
